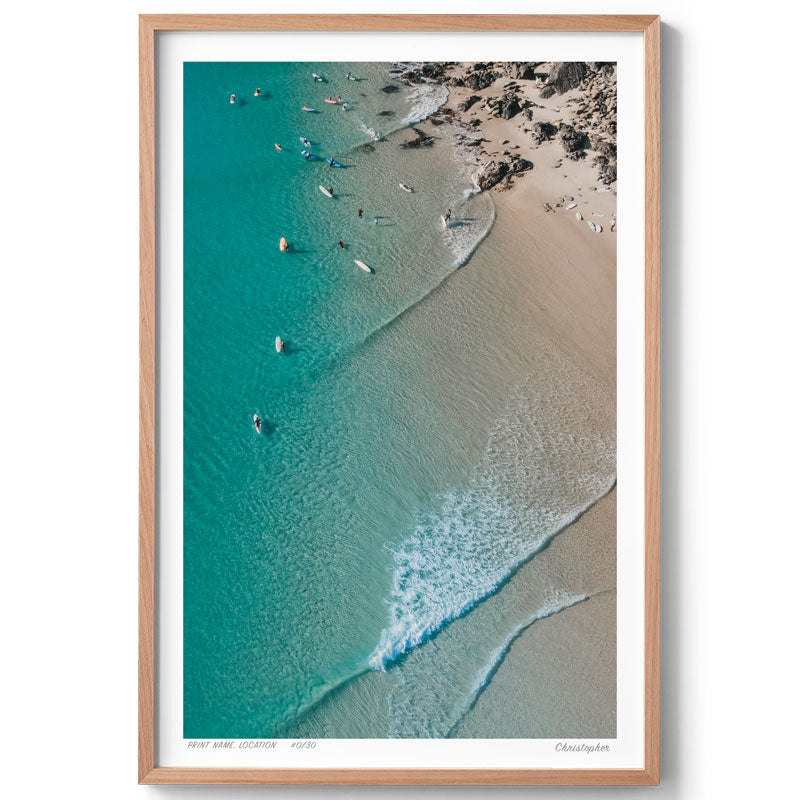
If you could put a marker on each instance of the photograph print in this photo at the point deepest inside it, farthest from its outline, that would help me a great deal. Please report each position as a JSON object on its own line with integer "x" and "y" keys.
{"x": 399, "y": 400}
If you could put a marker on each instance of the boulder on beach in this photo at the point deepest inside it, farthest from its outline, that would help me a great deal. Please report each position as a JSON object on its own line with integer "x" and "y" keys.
{"x": 564, "y": 75}
{"x": 606, "y": 161}
{"x": 496, "y": 172}
{"x": 522, "y": 70}
{"x": 421, "y": 139}
{"x": 480, "y": 80}
{"x": 507, "y": 106}
{"x": 574, "y": 141}
{"x": 543, "y": 131}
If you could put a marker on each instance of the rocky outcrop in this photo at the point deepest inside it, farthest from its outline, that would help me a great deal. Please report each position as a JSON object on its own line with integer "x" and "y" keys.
{"x": 606, "y": 161}
{"x": 500, "y": 173}
{"x": 481, "y": 79}
{"x": 508, "y": 106}
{"x": 522, "y": 70}
{"x": 563, "y": 76}
{"x": 574, "y": 141}
{"x": 543, "y": 131}
{"x": 467, "y": 104}
{"x": 432, "y": 69}
{"x": 421, "y": 139}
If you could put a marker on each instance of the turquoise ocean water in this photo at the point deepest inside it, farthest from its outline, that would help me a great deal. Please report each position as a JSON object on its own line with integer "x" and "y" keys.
{"x": 389, "y": 491}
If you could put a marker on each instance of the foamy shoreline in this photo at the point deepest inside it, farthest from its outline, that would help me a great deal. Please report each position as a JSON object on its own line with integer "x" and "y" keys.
{"x": 572, "y": 285}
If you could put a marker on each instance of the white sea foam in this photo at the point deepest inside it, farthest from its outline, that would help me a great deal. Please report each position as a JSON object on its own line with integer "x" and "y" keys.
{"x": 464, "y": 237}
{"x": 425, "y": 99}
{"x": 548, "y": 459}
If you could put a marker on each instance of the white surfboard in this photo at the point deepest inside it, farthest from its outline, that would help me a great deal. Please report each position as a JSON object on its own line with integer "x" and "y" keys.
{"x": 325, "y": 191}
{"x": 283, "y": 245}
{"x": 405, "y": 188}
{"x": 572, "y": 205}
{"x": 256, "y": 423}
{"x": 278, "y": 344}
{"x": 578, "y": 215}
{"x": 363, "y": 266}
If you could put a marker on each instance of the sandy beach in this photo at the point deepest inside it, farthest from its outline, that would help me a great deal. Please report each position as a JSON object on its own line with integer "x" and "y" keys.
{"x": 562, "y": 669}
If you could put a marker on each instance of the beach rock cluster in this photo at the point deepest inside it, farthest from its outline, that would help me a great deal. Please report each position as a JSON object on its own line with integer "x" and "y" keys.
{"x": 606, "y": 161}
{"x": 430, "y": 70}
{"x": 421, "y": 139}
{"x": 574, "y": 141}
{"x": 500, "y": 173}
{"x": 564, "y": 76}
{"x": 522, "y": 70}
{"x": 543, "y": 131}
{"x": 506, "y": 106}
{"x": 480, "y": 79}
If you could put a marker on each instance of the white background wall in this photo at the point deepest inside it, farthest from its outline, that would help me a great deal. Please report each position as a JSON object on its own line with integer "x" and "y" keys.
{"x": 69, "y": 320}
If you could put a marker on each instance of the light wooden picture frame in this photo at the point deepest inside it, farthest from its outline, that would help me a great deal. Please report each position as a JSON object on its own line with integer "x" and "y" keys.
{"x": 151, "y": 772}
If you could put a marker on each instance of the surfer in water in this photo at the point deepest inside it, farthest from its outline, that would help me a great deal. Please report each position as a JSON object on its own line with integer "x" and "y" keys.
{"x": 375, "y": 221}
{"x": 330, "y": 189}
{"x": 342, "y": 244}
{"x": 257, "y": 93}
{"x": 447, "y": 216}
{"x": 257, "y": 423}
{"x": 360, "y": 211}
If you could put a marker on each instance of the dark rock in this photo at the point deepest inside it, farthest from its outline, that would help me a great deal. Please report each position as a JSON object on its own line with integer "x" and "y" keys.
{"x": 386, "y": 113}
{"x": 421, "y": 140}
{"x": 432, "y": 70}
{"x": 565, "y": 75}
{"x": 574, "y": 141}
{"x": 496, "y": 172}
{"x": 480, "y": 80}
{"x": 606, "y": 161}
{"x": 507, "y": 106}
{"x": 367, "y": 148}
{"x": 542, "y": 131}
{"x": 522, "y": 70}
{"x": 475, "y": 123}
{"x": 469, "y": 102}
{"x": 391, "y": 88}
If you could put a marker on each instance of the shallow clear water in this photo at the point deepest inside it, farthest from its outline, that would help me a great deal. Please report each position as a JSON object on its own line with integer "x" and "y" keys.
{"x": 370, "y": 510}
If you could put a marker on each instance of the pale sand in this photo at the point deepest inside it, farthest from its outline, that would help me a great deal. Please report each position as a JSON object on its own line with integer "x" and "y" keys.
{"x": 561, "y": 672}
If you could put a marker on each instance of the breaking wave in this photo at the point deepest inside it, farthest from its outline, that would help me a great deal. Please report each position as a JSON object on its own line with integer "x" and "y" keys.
{"x": 547, "y": 461}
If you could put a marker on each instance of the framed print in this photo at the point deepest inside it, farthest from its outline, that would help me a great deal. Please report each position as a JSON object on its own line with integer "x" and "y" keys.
{"x": 399, "y": 420}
